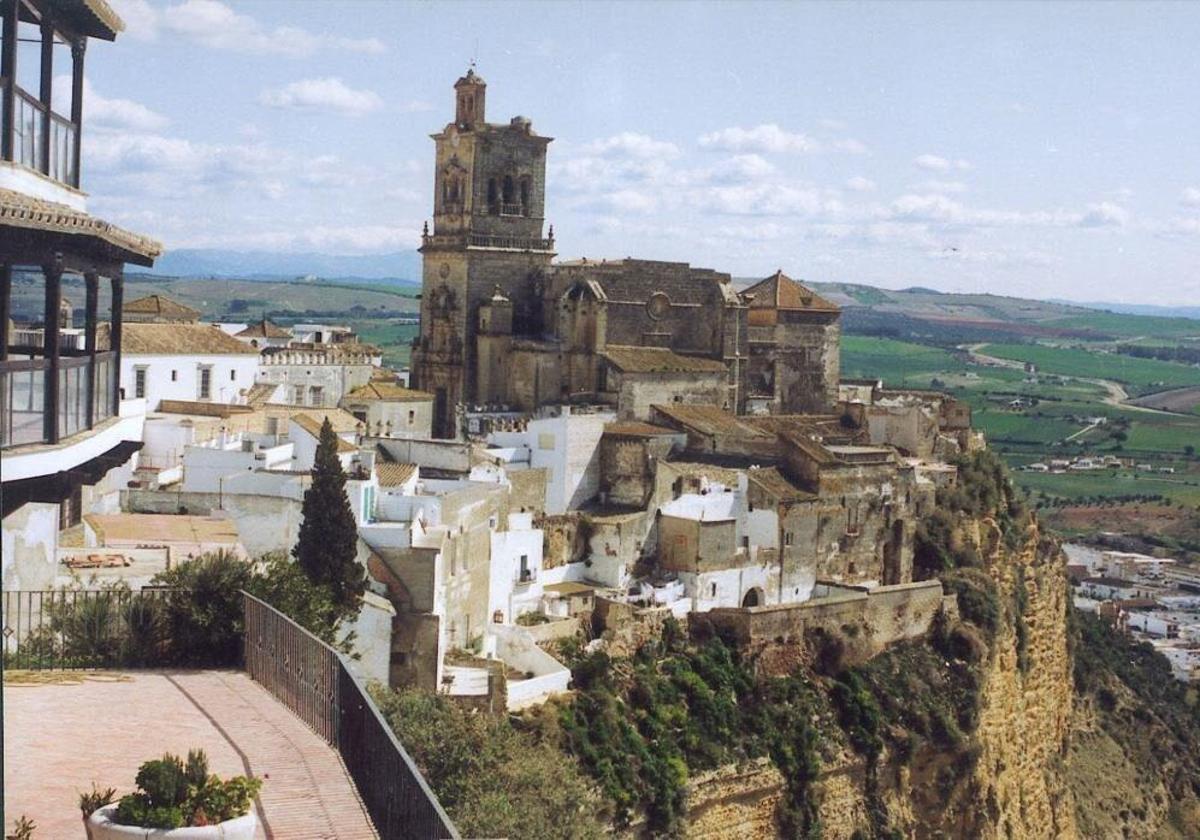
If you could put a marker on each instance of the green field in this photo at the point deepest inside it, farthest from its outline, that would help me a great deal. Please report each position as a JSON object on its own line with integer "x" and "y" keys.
{"x": 1131, "y": 326}
{"x": 395, "y": 340}
{"x": 1140, "y": 375}
{"x": 1183, "y": 489}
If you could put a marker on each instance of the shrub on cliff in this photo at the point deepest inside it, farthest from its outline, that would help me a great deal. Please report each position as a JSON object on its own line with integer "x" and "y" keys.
{"x": 493, "y": 779}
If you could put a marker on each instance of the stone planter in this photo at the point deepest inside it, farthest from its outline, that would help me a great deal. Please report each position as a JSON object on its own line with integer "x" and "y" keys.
{"x": 101, "y": 827}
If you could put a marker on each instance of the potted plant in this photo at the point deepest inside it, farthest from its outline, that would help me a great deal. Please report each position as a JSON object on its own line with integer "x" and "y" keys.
{"x": 175, "y": 801}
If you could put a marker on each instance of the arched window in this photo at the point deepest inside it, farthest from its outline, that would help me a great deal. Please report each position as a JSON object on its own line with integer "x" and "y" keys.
{"x": 493, "y": 196}
{"x": 508, "y": 189}
{"x": 525, "y": 191}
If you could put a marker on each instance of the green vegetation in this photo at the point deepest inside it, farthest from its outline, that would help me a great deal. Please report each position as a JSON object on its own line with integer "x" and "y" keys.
{"x": 493, "y": 778}
{"x": 642, "y": 727}
{"x": 327, "y": 548}
{"x": 1142, "y": 375}
{"x": 172, "y": 795}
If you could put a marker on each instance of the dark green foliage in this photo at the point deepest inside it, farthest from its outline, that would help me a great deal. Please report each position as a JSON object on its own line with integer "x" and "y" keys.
{"x": 494, "y": 779}
{"x": 284, "y": 585}
{"x": 328, "y": 544}
{"x": 1020, "y": 603}
{"x": 858, "y": 713}
{"x": 642, "y": 726}
{"x": 204, "y": 609}
{"x": 172, "y": 795}
{"x": 22, "y": 829}
{"x": 978, "y": 600}
{"x": 95, "y": 798}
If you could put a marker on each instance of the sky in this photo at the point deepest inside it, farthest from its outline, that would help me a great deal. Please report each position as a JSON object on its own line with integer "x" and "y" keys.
{"x": 1031, "y": 149}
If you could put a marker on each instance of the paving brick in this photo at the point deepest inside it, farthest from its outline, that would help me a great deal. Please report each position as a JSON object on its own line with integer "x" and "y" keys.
{"x": 60, "y": 737}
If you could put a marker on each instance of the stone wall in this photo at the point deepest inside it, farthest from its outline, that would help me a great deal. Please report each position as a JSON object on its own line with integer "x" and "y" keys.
{"x": 264, "y": 523}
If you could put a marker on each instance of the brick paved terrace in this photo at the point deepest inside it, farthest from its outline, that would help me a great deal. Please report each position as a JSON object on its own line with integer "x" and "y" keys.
{"x": 64, "y": 731}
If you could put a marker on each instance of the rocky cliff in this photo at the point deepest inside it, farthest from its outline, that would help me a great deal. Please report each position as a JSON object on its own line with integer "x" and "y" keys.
{"x": 1006, "y": 778}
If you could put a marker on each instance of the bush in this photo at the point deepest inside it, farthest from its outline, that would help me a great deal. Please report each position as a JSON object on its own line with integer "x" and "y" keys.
{"x": 172, "y": 795}
{"x": 493, "y": 779}
{"x": 203, "y": 617}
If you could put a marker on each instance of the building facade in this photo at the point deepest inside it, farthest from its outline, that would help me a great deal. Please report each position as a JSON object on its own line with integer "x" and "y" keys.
{"x": 502, "y": 326}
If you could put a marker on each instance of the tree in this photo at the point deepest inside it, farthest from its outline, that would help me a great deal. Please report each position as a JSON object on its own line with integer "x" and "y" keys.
{"x": 328, "y": 542}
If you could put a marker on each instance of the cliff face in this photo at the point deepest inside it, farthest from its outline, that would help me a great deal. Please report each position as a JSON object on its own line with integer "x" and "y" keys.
{"x": 1006, "y": 779}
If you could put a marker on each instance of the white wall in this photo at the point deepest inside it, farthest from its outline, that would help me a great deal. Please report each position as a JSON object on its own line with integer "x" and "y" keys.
{"x": 568, "y": 447}
{"x": 506, "y": 593}
{"x": 186, "y": 382}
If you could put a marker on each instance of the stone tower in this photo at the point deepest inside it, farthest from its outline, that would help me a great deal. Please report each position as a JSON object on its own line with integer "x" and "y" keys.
{"x": 488, "y": 213}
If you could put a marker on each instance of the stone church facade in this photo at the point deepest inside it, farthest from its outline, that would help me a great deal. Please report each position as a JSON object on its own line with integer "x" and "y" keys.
{"x": 502, "y": 324}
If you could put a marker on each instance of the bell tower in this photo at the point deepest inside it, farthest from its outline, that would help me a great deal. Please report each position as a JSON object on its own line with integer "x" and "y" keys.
{"x": 487, "y": 239}
{"x": 471, "y": 93}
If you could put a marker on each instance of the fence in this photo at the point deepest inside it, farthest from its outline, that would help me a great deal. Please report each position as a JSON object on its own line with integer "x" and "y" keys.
{"x": 316, "y": 683}
{"x": 65, "y": 629}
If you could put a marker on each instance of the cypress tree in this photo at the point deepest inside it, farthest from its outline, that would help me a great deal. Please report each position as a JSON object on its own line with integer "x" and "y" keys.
{"x": 328, "y": 539}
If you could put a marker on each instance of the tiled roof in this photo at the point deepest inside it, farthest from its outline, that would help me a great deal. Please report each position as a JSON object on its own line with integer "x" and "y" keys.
{"x": 160, "y": 305}
{"x": 259, "y": 394}
{"x": 709, "y": 420}
{"x": 264, "y": 329}
{"x": 386, "y": 392}
{"x": 782, "y": 292}
{"x": 341, "y": 420}
{"x": 659, "y": 360}
{"x": 202, "y": 409}
{"x": 24, "y": 211}
{"x": 635, "y": 428}
{"x": 777, "y": 485}
{"x": 181, "y": 340}
{"x": 393, "y": 475}
{"x": 312, "y": 425}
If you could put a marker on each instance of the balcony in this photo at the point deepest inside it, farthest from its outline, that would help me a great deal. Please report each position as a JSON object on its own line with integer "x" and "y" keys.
{"x": 507, "y": 208}
{"x": 23, "y": 387}
{"x": 43, "y": 140}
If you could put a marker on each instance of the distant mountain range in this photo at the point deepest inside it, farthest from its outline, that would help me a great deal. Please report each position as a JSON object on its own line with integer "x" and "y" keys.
{"x": 401, "y": 267}
{"x": 404, "y": 268}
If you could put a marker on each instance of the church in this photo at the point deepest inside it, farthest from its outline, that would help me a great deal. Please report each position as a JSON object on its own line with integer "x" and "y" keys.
{"x": 505, "y": 325}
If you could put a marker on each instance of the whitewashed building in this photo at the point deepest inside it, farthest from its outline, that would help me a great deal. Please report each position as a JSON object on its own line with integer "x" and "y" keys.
{"x": 187, "y": 362}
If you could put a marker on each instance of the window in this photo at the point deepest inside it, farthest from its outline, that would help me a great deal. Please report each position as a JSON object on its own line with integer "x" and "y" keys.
{"x": 787, "y": 538}
{"x": 316, "y": 395}
{"x": 205, "y": 383}
{"x": 412, "y": 415}
{"x": 298, "y": 395}
{"x": 139, "y": 383}
{"x": 174, "y": 376}
{"x": 712, "y": 593}
{"x": 233, "y": 374}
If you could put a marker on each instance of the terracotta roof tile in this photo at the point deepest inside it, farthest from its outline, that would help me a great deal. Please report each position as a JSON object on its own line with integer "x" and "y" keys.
{"x": 635, "y": 428}
{"x": 386, "y": 392}
{"x": 782, "y": 292}
{"x": 264, "y": 329}
{"x": 181, "y": 340}
{"x": 393, "y": 475}
{"x": 160, "y": 305}
{"x": 659, "y": 360}
{"x": 24, "y": 211}
{"x": 709, "y": 420}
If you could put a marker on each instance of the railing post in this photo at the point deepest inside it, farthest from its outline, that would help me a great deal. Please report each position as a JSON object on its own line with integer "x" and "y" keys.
{"x": 52, "y": 271}
{"x": 46, "y": 93}
{"x": 8, "y": 69}
{"x": 78, "y": 48}
{"x": 92, "y": 282}
{"x": 118, "y": 304}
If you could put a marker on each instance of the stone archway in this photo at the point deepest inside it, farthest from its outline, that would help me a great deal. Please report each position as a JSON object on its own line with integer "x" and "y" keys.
{"x": 753, "y": 598}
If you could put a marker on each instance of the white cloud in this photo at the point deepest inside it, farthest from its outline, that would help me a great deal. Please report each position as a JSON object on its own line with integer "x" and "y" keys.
{"x": 936, "y": 186}
{"x": 1104, "y": 214}
{"x": 629, "y": 144}
{"x": 216, "y": 25}
{"x": 742, "y": 168}
{"x": 860, "y": 184}
{"x": 1190, "y": 197}
{"x": 762, "y": 138}
{"x": 936, "y": 163}
{"x": 767, "y": 200}
{"x": 328, "y": 94}
{"x": 116, "y": 114}
{"x": 850, "y": 145}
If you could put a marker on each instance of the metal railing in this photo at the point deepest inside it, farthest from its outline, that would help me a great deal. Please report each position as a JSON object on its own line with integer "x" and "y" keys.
{"x": 315, "y": 682}
{"x": 56, "y": 629}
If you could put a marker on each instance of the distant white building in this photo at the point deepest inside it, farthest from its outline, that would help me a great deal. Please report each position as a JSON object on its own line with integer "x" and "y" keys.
{"x": 387, "y": 409}
{"x": 263, "y": 334}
